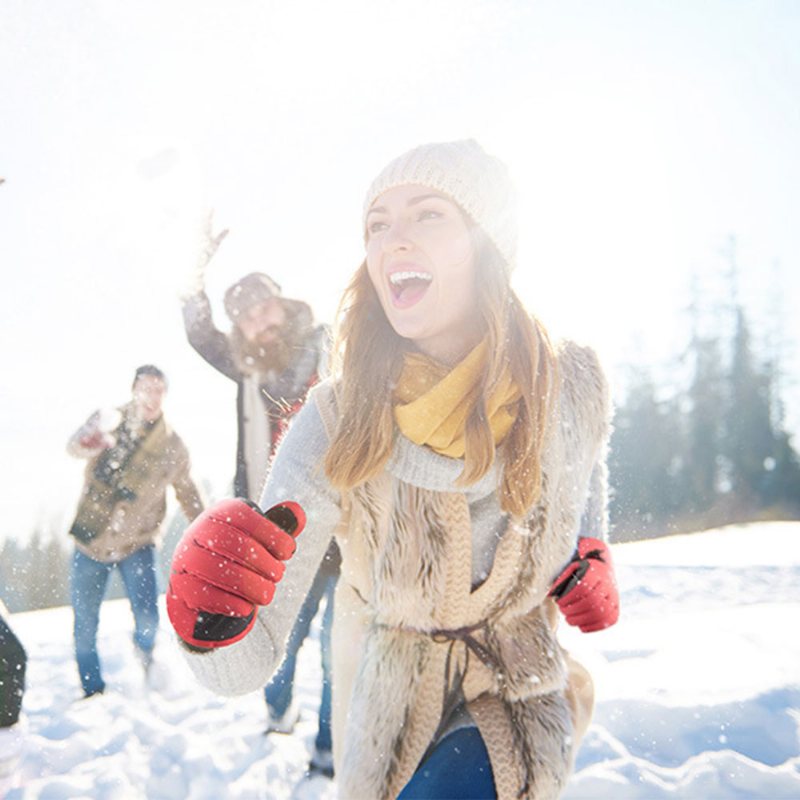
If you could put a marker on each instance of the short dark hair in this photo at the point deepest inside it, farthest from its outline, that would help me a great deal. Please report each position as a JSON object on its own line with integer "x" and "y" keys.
{"x": 149, "y": 369}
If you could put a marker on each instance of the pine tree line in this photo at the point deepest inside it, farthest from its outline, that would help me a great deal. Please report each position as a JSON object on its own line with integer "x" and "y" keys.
{"x": 35, "y": 574}
{"x": 710, "y": 452}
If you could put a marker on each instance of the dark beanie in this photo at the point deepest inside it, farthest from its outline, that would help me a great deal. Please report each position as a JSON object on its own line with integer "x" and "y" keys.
{"x": 149, "y": 369}
{"x": 248, "y": 291}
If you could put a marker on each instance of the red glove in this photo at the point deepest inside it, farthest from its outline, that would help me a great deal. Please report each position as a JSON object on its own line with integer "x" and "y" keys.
{"x": 227, "y": 563}
{"x": 586, "y": 590}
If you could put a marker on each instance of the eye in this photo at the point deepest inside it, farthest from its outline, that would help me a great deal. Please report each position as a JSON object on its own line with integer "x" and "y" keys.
{"x": 377, "y": 226}
{"x": 429, "y": 213}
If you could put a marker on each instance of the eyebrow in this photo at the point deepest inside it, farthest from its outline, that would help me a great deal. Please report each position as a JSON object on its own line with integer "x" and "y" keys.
{"x": 412, "y": 202}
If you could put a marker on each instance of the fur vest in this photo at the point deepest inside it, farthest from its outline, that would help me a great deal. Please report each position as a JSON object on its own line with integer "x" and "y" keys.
{"x": 411, "y": 632}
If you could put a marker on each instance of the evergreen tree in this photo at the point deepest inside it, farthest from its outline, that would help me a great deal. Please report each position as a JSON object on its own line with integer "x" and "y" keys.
{"x": 9, "y": 582}
{"x": 35, "y": 575}
{"x": 781, "y": 491}
{"x": 55, "y": 572}
{"x": 749, "y": 434}
{"x": 704, "y": 438}
{"x": 645, "y": 461}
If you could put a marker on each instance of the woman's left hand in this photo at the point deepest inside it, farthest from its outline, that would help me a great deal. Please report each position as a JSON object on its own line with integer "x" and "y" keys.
{"x": 586, "y": 590}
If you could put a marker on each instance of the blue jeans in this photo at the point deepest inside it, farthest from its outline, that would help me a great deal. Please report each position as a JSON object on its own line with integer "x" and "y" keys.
{"x": 278, "y": 692}
{"x": 88, "y": 581}
{"x": 457, "y": 769}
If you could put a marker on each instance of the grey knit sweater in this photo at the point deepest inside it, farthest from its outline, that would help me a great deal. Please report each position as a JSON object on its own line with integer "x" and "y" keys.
{"x": 297, "y": 474}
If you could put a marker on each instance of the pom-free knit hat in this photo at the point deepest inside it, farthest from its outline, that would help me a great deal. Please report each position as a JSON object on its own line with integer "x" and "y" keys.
{"x": 248, "y": 291}
{"x": 465, "y": 172}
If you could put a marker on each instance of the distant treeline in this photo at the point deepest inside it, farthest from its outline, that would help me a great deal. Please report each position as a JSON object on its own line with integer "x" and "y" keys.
{"x": 710, "y": 452}
{"x": 35, "y": 574}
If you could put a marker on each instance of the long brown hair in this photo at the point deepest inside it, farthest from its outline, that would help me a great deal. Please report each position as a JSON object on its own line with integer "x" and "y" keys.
{"x": 368, "y": 357}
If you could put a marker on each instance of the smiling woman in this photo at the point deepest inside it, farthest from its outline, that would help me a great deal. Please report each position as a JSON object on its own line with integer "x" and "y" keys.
{"x": 464, "y": 480}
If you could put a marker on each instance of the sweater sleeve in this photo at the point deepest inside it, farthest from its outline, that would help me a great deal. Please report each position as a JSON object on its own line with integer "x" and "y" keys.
{"x": 297, "y": 475}
{"x": 205, "y": 338}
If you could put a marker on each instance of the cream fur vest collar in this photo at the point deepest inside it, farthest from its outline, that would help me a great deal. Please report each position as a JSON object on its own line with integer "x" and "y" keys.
{"x": 409, "y": 628}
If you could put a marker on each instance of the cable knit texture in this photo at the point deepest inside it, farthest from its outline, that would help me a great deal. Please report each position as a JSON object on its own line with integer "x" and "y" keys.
{"x": 408, "y": 574}
{"x": 465, "y": 172}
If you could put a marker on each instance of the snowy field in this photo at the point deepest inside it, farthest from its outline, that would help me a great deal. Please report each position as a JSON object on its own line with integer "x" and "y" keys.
{"x": 698, "y": 694}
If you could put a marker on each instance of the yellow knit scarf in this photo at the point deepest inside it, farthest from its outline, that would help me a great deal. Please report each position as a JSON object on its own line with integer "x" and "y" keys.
{"x": 432, "y": 401}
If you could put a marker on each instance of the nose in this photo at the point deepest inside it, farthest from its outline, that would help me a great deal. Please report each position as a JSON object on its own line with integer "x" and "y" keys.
{"x": 248, "y": 328}
{"x": 395, "y": 237}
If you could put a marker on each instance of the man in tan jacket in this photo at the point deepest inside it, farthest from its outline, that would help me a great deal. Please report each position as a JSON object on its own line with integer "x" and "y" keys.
{"x": 133, "y": 455}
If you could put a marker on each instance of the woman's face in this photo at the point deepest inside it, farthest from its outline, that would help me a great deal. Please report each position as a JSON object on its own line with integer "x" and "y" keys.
{"x": 421, "y": 261}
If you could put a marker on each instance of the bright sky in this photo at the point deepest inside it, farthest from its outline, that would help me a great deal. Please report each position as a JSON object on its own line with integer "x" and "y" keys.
{"x": 641, "y": 135}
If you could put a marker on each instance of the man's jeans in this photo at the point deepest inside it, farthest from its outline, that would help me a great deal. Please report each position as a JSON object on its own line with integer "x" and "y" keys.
{"x": 278, "y": 691}
{"x": 88, "y": 580}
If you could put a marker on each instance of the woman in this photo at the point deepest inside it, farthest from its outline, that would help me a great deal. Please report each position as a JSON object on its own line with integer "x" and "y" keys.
{"x": 458, "y": 459}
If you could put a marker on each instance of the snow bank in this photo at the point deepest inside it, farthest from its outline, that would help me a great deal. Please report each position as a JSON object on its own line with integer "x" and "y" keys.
{"x": 698, "y": 693}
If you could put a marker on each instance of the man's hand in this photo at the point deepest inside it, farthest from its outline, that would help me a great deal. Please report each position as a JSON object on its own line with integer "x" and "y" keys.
{"x": 227, "y": 563}
{"x": 209, "y": 244}
{"x": 96, "y": 433}
{"x": 586, "y": 590}
{"x": 96, "y": 440}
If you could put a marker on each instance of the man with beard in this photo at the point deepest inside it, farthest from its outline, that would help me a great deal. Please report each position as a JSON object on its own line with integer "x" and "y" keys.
{"x": 275, "y": 353}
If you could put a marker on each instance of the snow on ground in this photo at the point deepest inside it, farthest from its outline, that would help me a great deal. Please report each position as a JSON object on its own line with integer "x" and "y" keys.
{"x": 698, "y": 686}
{"x": 698, "y": 693}
{"x": 172, "y": 741}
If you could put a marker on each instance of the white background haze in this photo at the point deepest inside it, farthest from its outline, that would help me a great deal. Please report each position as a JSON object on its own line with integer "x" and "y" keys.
{"x": 641, "y": 135}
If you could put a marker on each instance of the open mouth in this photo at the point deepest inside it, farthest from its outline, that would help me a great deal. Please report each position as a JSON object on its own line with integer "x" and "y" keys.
{"x": 408, "y": 287}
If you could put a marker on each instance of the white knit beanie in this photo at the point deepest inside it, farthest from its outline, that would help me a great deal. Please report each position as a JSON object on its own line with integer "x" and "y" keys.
{"x": 463, "y": 171}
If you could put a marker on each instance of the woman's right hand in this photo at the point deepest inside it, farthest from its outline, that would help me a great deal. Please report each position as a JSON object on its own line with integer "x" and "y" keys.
{"x": 227, "y": 563}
